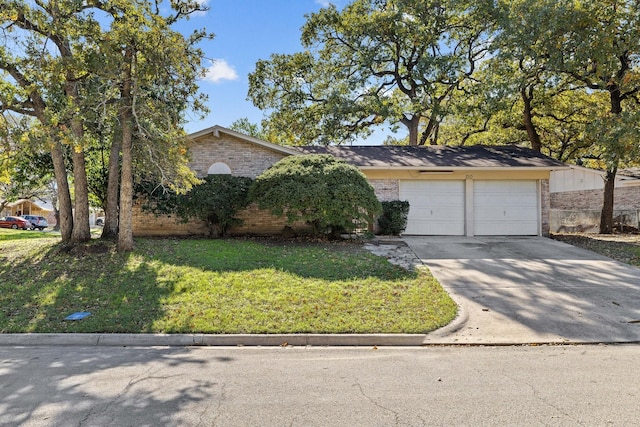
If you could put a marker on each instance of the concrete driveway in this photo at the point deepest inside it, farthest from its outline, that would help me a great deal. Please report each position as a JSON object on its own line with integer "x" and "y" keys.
{"x": 531, "y": 290}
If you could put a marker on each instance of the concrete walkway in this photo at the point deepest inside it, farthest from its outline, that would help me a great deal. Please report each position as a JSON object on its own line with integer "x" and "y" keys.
{"x": 520, "y": 290}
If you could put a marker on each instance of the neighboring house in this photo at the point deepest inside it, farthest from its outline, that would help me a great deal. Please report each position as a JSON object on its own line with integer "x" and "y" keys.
{"x": 29, "y": 207}
{"x": 464, "y": 191}
{"x": 577, "y": 195}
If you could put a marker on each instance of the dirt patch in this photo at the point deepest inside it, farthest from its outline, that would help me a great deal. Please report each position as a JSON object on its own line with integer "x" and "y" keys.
{"x": 624, "y": 247}
{"x": 87, "y": 248}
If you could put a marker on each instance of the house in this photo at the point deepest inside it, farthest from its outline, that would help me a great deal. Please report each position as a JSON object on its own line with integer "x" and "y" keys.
{"x": 29, "y": 207}
{"x": 460, "y": 191}
{"x": 577, "y": 195}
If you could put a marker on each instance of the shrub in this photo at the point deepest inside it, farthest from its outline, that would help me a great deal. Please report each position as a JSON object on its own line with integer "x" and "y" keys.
{"x": 325, "y": 192}
{"x": 393, "y": 219}
{"x": 215, "y": 201}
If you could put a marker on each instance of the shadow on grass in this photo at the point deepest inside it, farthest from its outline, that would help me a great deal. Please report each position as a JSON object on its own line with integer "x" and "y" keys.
{"x": 42, "y": 289}
{"x": 213, "y": 286}
{"x": 326, "y": 261}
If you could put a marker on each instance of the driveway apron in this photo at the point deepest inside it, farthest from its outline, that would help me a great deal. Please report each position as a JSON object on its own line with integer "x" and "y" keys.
{"x": 522, "y": 290}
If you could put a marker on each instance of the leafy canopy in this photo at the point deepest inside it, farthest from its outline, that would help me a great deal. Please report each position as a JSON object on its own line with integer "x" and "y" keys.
{"x": 393, "y": 61}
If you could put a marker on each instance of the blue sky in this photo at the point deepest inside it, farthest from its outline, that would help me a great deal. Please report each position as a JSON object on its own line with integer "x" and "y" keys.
{"x": 246, "y": 31}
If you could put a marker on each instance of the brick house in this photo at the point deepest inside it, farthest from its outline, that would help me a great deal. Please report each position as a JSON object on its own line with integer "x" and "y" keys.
{"x": 477, "y": 190}
{"x": 577, "y": 195}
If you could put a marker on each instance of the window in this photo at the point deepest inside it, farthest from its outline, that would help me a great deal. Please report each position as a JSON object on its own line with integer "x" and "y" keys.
{"x": 219, "y": 168}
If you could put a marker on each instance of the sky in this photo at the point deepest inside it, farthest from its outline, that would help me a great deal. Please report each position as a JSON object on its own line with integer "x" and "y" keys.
{"x": 245, "y": 32}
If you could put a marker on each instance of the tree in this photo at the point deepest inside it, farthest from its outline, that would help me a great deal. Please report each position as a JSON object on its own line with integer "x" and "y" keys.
{"x": 244, "y": 126}
{"x": 123, "y": 54}
{"x": 40, "y": 74}
{"x": 155, "y": 70}
{"x": 24, "y": 167}
{"x": 596, "y": 44}
{"x": 607, "y": 59}
{"x": 376, "y": 61}
{"x": 325, "y": 192}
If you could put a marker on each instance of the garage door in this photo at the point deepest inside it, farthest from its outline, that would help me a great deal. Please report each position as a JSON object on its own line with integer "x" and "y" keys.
{"x": 435, "y": 207}
{"x": 505, "y": 208}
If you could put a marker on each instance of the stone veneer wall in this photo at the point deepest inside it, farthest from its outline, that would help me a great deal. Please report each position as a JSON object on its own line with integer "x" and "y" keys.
{"x": 624, "y": 198}
{"x": 579, "y": 211}
{"x": 386, "y": 189}
{"x": 545, "y": 202}
{"x": 243, "y": 158}
{"x": 255, "y": 222}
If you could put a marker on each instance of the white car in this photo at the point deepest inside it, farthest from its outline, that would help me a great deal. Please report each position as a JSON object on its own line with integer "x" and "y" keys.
{"x": 36, "y": 221}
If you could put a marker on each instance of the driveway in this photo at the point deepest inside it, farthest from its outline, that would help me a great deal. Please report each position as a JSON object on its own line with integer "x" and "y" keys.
{"x": 531, "y": 290}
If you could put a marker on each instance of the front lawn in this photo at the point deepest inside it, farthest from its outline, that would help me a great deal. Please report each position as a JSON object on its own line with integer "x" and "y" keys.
{"x": 212, "y": 286}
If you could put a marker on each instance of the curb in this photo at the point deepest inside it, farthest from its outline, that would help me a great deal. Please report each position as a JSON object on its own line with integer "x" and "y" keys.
{"x": 232, "y": 340}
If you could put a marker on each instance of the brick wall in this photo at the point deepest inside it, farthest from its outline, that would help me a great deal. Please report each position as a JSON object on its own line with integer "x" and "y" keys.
{"x": 386, "y": 189}
{"x": 624, "y": 198}
{"x": 255, "y": 222}
{"x": 545, "y": 202}
{"x": 243, "y": 158}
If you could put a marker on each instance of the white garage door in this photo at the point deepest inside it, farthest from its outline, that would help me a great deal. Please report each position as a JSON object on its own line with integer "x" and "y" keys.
{"x": 508, "y": 208}
{"x": 435, "y": 207}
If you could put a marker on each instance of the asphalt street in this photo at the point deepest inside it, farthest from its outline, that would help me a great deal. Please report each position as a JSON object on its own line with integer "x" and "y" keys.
{"x": 319, "y": 386}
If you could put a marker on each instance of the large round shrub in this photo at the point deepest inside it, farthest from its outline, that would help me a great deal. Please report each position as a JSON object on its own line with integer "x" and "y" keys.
{"x": 319, "y": 189}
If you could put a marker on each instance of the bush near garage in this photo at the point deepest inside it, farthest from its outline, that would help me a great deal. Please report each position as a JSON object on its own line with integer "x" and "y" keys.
{"x": 327, "y": 193}
{"x": 393, "y": 219}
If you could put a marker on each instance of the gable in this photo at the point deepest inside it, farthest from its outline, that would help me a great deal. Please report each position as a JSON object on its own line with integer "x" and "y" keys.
{"x": 243, "y": 157}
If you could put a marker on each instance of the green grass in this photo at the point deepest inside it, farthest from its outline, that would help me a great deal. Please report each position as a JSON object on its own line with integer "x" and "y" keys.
{"x": 212, "y": 286}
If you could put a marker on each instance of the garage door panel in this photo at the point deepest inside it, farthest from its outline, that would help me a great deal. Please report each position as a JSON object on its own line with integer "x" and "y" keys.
{"x": 435, "y": 207}
{"x": 505, "y": 208}
{"x": 498, "y": 199}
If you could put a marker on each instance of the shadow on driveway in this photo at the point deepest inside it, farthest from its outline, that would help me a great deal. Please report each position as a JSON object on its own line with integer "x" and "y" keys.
{"x": 531, "y": 290}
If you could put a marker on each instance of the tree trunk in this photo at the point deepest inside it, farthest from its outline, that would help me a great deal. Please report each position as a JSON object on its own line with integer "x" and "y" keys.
{"x": 606, "y": 216}
{"x": 527, "y": 119}
{"x": 65, "y": 215}
{"x": 125, "y": 232}
{"x": 110, "y": 229}
{"x": 81, "y": 230}
{"x": 413, "y": 126}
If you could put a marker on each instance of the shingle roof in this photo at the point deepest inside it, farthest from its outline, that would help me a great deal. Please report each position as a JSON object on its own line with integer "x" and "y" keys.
{"x": 438, "y": 156}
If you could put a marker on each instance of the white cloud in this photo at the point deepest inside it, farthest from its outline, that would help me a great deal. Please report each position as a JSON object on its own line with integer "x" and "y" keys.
{"x": 324, "y": 3}
{"x": 220, "y": 70}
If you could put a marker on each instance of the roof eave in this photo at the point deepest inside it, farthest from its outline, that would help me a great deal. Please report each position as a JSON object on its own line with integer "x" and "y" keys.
{"x": 463, "y": 168}
{"x": 216, "y": 130}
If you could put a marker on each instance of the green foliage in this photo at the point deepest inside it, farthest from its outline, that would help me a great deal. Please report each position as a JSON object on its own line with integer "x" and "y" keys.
{"x": 244, "y": 126}
{"x": 371, "y": 63}
{"x": 215, "y": 201}
{"x": 393, "y": 219}
{"x": 327, "y": 193}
